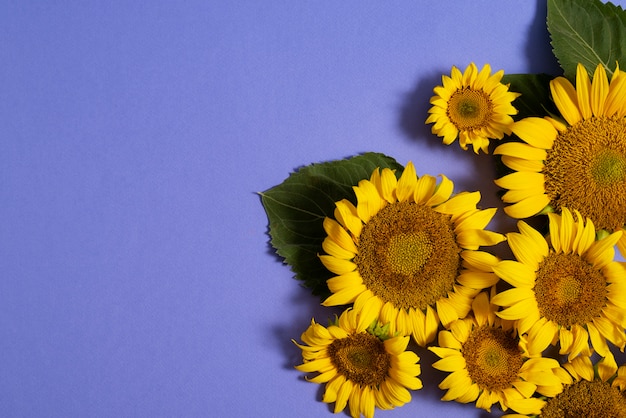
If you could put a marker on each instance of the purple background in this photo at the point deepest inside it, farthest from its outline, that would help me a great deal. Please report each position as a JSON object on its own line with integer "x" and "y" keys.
{"x": 136, "y": 276}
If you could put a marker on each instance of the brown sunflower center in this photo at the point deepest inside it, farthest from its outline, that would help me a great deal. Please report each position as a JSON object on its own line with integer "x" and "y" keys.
{"x": 493, "y": 358}
{"x": 469, "y": 109}
{"x": 361, "y": 358}
{"x": 586, "y": 170}
{"x": 407, "y": 253}
{"x": 595, "y": 399}
{"x": 569, "y": 290}
{"x": 397, "y": 258}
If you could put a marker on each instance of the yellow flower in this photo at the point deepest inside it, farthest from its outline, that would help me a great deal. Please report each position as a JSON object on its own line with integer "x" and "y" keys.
{"x": 579, "y": 161}
{"x": 567, "y": 289}
{"x": 362, "y": 365}
{"x": 474, "y": 107}
{"x": 408, "y": 252}
{"x": 488, "y": 365}
{"x": 589, "y": 393}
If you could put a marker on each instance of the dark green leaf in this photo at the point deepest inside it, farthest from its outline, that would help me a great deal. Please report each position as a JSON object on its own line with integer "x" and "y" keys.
{"x": 297, "y": 207}
{"x": 589, "y": 32}
{"x": 535, "y": 99}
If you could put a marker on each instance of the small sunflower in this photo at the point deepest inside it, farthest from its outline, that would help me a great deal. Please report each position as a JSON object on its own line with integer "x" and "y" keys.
{"x": 473, "y": 107}
{"x": 488, "y": 365}
{"x": 362, "y": 365}
{"x": 408, "y": 252}
{"x": 567, "y": 289}
{"x": 592, "y": 392}
{"x": 579, "y": 161}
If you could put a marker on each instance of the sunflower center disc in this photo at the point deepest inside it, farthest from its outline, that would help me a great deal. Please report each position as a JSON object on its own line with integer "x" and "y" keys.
{"x": 493, "y": 358}
{"x": 569, "y": 290}
{"x": 407, "y": 253}
{"x": 397, "y": 258}
{"x": 586, "y": 170}
{"x": 361, "y": 358}
{"x": 609, "y": 167}
{"x": 469, "y": 109}
{"x": 595, "y": 399}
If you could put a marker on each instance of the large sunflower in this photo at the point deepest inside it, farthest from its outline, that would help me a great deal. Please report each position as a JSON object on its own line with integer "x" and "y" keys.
{"x": 362, "y": 365}
{"x": 579, "y": 161}
{"x": 408, "y": 252}
{"x": 591, "y": 391}
{"x": 473, "y": 106}
{"x": 488, "y": 365}
{"x": 567, "y": 289}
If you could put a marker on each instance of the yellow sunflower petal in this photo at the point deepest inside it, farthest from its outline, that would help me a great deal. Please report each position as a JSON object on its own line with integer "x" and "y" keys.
{"x": 526, "y": 388}
{"x": 477, "y": 220}
{"x": 564, "y": 95}
{"x": 446, "y": 339}
{"x": 521, "y": 150}
{"x": 406, "y": 183}
{"x": 479, "y": 260}
{"x": 581, "y": 368}
{"x": 486, "y": 400}
{"x": 541, "y": 335}
{"x": 602, "y": 252}
{"x": 424, "y": 188}
{"x": 473, "y": 238}
{"x": 516, "y": 311}
{"x": 521, "y": 164}
{"x": 324, "y": 377}
{"x": 446, "y": 312}
{"x": 442, "y": 192}
{"x": 566, "y": 231}
{"x": 330, "y": 393}
{"x": 607, "y": 367}
{"x": 583, "y": 91}
{"x": 521, "y": 181}
{"x": 396, "y": 393}
{"x": 585, "y": 235}
{"x": 597, "y": 340}
{"x": 459, "y": 203}
{"x": 530, "y": 248}
{"x": 615, "y": 99}
{"x": 330, "y": 247}
{"x": 510, "y": 297}
{"x": 389, "y": 184}
{"x": 346, "y": 214}
{"x": 599, "y": 91}
{"x": 515, "y": 273}
{"x": 477, "y": 280}
{"x": 336, "y": 232}
{"x": 337, "y": 265}
{"x": 530, "y": 406}
{"x": 528, "y": 207}
{"x": 537, "y": 132}
{"x": 342, "y": 395}
{"x": 344, "y": 296}
{"x": 482, "y": 308}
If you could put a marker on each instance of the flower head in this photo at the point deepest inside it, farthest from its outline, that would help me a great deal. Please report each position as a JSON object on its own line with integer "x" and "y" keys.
{"x": 579, "y": 161}
{"x": 590, "y": 391}
{"x": 488, "y": 365}
{"x": 472, "y": 106}
{"x": 362, "y": 365}
{"x": 567, "y": 289}
{"x": 408, "y": 252}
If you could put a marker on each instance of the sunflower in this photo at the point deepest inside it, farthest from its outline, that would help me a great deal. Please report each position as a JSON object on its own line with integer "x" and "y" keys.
{"x": 488, "y": 365}
{"x": 408, "y": 252}
{"x": 592, "y": 391}
{"x": 579, "y": 161}
{"x": 474, "y": 107}
{"x": 567, "y": 289}
{"x": 361, "y": 363}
